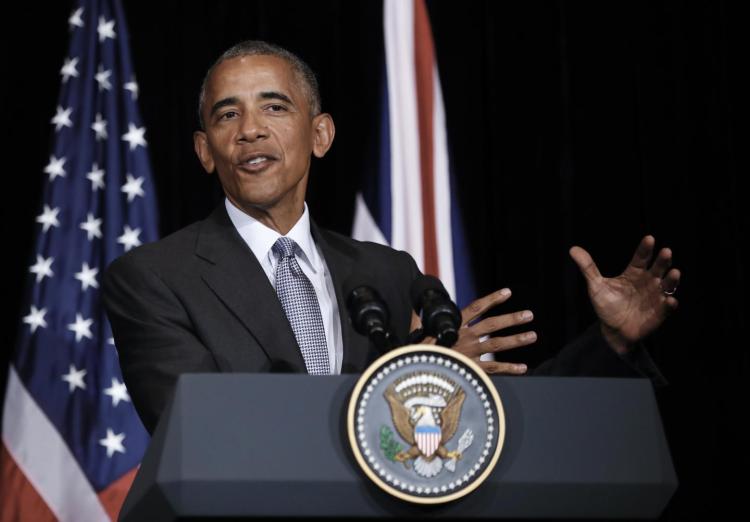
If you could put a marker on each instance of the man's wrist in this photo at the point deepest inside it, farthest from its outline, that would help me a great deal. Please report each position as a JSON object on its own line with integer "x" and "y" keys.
{"x": 618, "y": 343}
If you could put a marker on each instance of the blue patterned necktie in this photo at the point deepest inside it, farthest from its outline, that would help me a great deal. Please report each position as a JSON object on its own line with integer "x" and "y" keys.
{"x": 301, "y": 307}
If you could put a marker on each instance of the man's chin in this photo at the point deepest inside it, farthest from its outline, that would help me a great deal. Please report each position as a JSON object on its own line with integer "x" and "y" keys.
{"x": 256, "y": 203}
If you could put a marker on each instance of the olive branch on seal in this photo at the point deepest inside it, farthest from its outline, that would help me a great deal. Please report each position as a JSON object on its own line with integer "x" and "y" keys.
{"x": 389, "y": 446}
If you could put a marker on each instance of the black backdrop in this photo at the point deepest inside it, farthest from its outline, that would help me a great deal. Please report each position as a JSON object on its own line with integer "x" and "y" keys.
{"x": 588, "y": 123}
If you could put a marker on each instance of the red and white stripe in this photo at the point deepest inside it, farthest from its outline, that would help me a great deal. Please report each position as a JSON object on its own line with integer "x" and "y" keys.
{"x": 39, "y": 477}
{"x": 420, "y": 182}
{"x": 427, "y": 443}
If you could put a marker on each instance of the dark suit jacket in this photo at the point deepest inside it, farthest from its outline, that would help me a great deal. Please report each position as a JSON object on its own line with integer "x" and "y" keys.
{"x": 199, "y": 301}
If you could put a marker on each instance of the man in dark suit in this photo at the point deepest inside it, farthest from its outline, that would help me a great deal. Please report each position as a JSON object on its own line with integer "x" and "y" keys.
{"x": 257, "y": 287}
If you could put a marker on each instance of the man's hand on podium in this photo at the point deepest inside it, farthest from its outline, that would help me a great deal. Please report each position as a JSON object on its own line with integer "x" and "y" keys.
{"x": 474, "y": 339}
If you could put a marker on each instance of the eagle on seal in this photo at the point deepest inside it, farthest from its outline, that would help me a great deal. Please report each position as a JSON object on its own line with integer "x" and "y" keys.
{"x": 414, "y": 419}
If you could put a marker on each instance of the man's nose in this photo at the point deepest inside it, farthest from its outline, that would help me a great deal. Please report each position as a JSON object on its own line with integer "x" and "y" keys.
{"x": 253, "y": 127}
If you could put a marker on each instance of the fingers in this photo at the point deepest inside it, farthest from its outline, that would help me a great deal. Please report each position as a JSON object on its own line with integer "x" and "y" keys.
{"x": 662, "y": 263}
{"x": 494, "y": 367}
{"x": 493, "y": 324}
{"x": 500, "y": 344}
{"x": 585, "y": 263}
{"x": 670, "y": 282}
{"x": 643, "y": 253}
{"x": 669, "y": 286}
{"x": 483, "y": 304}
{"x": 476, "y": 348}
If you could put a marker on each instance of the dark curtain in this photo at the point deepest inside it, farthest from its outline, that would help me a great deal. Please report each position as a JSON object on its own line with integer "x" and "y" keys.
{"x": 589, "y": 123}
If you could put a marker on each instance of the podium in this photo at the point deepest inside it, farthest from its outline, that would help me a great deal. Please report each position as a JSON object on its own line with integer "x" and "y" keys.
{"x": 247, "y": 445}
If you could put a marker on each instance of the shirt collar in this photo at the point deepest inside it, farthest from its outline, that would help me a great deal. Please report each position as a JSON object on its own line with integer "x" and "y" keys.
{"x": 261, "y": 238}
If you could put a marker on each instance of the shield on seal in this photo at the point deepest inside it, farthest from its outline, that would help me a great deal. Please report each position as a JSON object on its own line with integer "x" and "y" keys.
{"x": 427, "y": 439}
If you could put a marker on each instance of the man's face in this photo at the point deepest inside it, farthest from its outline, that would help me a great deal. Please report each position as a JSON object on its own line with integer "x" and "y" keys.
{"x": 260, "y": 134}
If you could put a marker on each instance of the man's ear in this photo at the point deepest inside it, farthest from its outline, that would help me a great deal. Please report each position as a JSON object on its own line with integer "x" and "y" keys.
{"x": 323, "y": 132}
{"x": 200, "y": 142}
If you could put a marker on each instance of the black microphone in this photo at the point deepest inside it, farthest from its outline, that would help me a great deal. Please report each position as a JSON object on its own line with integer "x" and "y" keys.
{"x": 369, "y": 313}
{"x": 440, "y": 316}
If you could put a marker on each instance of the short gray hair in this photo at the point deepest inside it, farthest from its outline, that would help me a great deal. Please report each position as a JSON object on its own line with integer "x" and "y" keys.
{"x": 304, "y": 73}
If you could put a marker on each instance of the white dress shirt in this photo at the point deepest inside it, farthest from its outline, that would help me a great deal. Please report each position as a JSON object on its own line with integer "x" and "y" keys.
{"x": 261, "y": 239}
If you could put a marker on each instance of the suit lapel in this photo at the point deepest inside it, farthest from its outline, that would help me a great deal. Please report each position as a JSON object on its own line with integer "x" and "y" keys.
{"x": 236, "y": 277}
{"x": 341, "y": 260}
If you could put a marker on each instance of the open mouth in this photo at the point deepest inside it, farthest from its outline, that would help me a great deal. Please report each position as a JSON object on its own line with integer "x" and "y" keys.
{"x": 256, "y": 162}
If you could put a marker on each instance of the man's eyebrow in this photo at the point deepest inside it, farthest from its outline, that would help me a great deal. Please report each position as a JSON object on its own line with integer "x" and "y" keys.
{"x": 232, "y": 100}
{"x": 273, "y": 95}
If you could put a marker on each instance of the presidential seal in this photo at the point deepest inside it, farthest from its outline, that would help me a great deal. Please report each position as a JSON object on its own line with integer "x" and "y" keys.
{"x": 426, "y": 424}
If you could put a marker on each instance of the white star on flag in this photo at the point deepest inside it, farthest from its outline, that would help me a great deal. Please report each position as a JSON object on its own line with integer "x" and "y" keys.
{"x": 48, "y": 218}
{"x": 82, "y": 328}
{"x": 74, "y": 378}
{"x": 132, "y": 86}
{"x": 106, "y": 29}
{"x": 96, "y": 177}
{"x": 129, "y": 238}
{"x": 134, "y": 136}
{"x": 75, "y": 18}
{"x": 69, "y": 69}
{"x": 92, "y": 226}
{"x": 113, "y": 443}
{"x": 117, "y": 391}
{"x": 62, "y": 118}
{"x": 100, "y": 127}
{"x": 102, "y": 78}
{"x": 133, "y": 187}
{"x": 42, "y": 267}
{"x": 55, "y": 167}
{"x": 35, "y": 318}
{"x": 87, "y": 276}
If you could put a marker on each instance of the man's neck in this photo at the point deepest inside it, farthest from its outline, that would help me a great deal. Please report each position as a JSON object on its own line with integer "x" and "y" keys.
{"x": 282, "y": 220}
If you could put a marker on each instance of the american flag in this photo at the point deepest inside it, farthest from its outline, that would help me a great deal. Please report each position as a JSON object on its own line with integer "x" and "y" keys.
{"x": 71, "y": 438}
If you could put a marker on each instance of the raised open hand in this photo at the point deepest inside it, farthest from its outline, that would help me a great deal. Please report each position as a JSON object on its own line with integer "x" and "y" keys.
{"x": 635, "y": 303}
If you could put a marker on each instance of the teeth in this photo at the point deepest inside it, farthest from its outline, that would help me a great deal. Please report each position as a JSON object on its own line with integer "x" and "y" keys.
{"x": 257, "y": 160}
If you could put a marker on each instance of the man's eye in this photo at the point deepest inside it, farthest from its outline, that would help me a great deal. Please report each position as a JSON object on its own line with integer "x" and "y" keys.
{"x": 228, "y": 115}
{"x": 276, "y": 108}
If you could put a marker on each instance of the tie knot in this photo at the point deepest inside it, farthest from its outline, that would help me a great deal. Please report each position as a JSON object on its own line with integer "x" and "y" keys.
{"x": 285, "y": 247}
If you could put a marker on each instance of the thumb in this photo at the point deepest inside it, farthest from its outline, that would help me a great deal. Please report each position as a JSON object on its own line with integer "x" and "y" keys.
{"x": 416, "y": 322}
{"x": 585, "y": 264}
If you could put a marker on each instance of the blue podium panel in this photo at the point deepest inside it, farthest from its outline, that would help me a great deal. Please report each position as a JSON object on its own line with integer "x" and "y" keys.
{"x": 244, "y": 445}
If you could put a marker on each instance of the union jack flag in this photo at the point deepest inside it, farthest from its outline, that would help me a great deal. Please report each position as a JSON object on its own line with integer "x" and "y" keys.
{"x": 409, "y": 203}
{"x": 71, "y": 438}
